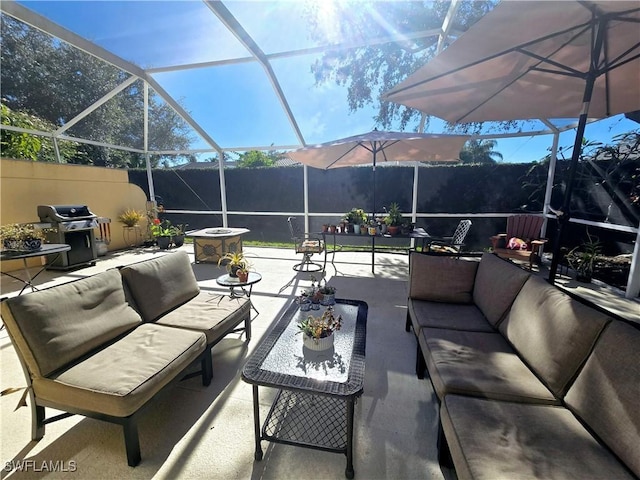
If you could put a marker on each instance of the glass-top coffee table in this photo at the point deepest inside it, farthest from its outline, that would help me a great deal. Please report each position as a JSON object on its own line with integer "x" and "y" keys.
{"x": 314, "y": 407}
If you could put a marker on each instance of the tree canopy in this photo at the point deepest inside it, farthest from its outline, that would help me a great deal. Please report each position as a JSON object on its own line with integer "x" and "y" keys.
{"x": 480, "y": 151}
{"x": 48, "y": 79}
{"x": 369, "y": 71}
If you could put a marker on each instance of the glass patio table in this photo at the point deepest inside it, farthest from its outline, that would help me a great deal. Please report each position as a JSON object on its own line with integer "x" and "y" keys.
{"x": 314, "y": 406}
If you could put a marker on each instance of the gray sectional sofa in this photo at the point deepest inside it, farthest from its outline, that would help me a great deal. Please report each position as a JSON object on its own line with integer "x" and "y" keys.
{"x": 531, "y": 382}
{"x": 106, "y": 345}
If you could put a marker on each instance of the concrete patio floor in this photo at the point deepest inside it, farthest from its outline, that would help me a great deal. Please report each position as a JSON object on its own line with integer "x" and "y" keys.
{"x": 207, "y": 432}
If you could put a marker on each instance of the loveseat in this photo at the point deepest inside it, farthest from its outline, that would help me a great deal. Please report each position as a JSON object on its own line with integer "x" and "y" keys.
{"x": 531, "y": 382}
{"x": 104, "y": 346}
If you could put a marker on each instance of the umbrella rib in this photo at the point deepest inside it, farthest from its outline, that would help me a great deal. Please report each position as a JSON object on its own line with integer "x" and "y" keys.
{"x": 342, "y": 156}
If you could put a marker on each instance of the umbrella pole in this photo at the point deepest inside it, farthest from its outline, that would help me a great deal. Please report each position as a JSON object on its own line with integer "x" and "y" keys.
{"x": 565, "y": 213}
{"x": 373, "y": 215}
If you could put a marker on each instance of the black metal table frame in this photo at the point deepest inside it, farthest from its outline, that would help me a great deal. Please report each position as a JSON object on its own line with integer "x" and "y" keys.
{"x": 418, "y": 234}
{"x": 47, "y": 249}
{"x": 245, "y": 293}
{"x": 323, "y": 391}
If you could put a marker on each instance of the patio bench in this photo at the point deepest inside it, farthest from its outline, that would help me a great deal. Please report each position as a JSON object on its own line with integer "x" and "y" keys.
{"x": 531, "y": 382}
{"x": 105, "y": 346}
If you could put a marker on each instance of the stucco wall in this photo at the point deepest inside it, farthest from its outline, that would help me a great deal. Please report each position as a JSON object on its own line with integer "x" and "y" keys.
{"x": 24, "y": 185}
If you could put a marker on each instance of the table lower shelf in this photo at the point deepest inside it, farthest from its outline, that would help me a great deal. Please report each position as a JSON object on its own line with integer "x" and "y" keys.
{"x": 303, "y": 419}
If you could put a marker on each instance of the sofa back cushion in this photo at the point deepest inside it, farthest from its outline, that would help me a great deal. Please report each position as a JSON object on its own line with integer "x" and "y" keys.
{"x": 496, "y": 286}
{"x": 54, "y": 327}
{"x": 552, "y": 332}
{"x": 606, "y": 393}
{"x": 159, "y": 285}
{"x": 439, "y": 278}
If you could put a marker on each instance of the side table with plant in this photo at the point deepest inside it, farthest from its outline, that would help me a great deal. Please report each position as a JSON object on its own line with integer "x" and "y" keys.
{"x": 131, "y": 218}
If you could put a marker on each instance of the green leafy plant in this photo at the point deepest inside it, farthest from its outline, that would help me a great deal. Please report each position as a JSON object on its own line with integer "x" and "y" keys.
{"x": 162, "y": 228}
{"x": 583, "y": 257}
{"x": 21, "y": 232}
{"x": 394, "y": 216}
{"x": 234, "y": 262}
{"x": 320, "y": 327}
{"x": 356, "y": 216}
{"x": 131, "y": 217}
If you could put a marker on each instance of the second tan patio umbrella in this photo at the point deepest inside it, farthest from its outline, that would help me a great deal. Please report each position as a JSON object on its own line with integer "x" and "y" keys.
{"x": 380, "y": 146}
{"x": 534, "y": 59}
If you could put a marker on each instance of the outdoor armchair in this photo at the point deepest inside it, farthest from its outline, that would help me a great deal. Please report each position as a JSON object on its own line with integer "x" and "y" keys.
{"x": 522, "y": 239}
{"x": 307, "y": 244}
{"x": 452, "y": 244}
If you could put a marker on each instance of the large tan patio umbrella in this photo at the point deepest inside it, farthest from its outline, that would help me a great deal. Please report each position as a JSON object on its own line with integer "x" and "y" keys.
{"x": 533, "y": 59}
{"x": 377, "y": 146}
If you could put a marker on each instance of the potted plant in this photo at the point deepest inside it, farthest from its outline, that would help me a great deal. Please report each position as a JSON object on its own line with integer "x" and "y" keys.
{"x": 234, "y": 261}
{"x": 583, "y": 257}
{"x": 131, "y": 217}
{"x": 328, "y": 293}
{"x": 393, "y": 219}
{"x": 304, "y": 302}
{"x": 162, "y": 231}
{"x": 21, "y": 237}
{"x": 317, "y": 332}
{"x": 356, "y": 217}
{"x": 178, "y": 234}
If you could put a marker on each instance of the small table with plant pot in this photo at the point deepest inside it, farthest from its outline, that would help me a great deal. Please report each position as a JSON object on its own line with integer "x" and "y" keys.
{"x": 317, "y": 390}
{"x": 232, "y": 283}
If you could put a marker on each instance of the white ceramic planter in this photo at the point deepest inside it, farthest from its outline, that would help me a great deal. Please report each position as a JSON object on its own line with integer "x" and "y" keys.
{"x": 317, "y": 344}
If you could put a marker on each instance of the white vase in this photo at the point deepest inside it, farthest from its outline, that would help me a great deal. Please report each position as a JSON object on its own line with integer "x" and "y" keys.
{"x": 317, "y": 344}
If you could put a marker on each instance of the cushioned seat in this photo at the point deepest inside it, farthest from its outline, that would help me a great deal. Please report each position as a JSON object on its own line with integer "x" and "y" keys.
{"x": 122, "y": 377}
{"x": 211, "y": 313}
{"x": 479, "y": 364}
{"x": 447, "y": 315}
{"x": 502, "y": 440}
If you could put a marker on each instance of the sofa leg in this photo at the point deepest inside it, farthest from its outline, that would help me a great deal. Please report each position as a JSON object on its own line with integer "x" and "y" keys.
{"x": 421, "y": 365}
{"x": 444, "y": 454}
{"x": 37, "y": 420}
{"x": 207, "y": 367}
{"x": 407, "y": 323}
{"x": 131, "y": 441}
{"x": 247, "y": 326}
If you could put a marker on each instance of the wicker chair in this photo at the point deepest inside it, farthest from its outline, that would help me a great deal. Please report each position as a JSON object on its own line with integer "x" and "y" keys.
{"x": 452, "y": 244}
{"x": 306, "y": 244}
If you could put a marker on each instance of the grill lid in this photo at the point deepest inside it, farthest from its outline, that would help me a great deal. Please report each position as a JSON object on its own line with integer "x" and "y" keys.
{"x": 64, "y": 213}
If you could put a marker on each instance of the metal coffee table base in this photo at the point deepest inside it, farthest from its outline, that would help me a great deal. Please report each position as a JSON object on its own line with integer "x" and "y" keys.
{"x": 307, "y": 420}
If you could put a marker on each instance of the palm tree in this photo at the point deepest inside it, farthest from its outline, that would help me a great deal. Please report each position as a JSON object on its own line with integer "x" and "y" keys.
{"x": 480, "y": 151}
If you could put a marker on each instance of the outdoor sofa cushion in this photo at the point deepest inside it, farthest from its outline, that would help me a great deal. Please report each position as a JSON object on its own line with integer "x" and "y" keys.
{"x": 441, "y": 279}
{"x": 495, "y": 440}
{"x": 496, "y": 286}
{"x": 552, "y": 332}
{"x": 161, "y": 284}
{"x": 123, "y": 376}
{"x": 606, "y": 393}
{"x": 60, "y": 324}
{"x": 479, "y": 364}
{"x": 453, "y": 316}
{"x": 209, "y": 312}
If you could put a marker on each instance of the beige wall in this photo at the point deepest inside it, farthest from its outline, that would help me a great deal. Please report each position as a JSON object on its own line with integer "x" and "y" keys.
{"x": 25, "y": 184}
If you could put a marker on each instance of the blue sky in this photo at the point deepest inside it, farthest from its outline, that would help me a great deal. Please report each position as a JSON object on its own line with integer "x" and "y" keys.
{"x": 235, "y": 103}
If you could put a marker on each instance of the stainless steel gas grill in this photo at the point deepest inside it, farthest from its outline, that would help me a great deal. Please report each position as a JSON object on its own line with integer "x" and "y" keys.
{"x": 73, "y": 225}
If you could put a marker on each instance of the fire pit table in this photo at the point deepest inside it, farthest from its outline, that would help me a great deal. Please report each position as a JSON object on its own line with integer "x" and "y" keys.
{"x": 211, "y": 244}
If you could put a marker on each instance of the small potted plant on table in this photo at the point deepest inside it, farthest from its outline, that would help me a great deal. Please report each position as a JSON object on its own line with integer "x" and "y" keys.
{"x": 393, "y": 219}
{"x": 234, "y": 262}
{"x": 162, "y": 231}
{"x": 317, "y": 332}
{"x": 21, "y": 237}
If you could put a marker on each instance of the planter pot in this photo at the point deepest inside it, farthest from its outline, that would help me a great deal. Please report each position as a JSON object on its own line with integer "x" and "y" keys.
{"x": 178, "y": 240}
{"x": 243, "y": 276}
{"x": 393, "y": 229}
{"x": 305, "y": 306}
{"x": 317, "y": 344}
{"x": 328, "y": 299}
{"x": 12, "y": 244}
{"x": 373, "y": 230}
{"x": 332, "y": 229}
{"x": 383, "y": 228}
{"x": 233, "y": 270}
{"x": 163, "y": 242}
{"x": 356, "y": 229}
{"x": 31, "y": 245}
{"x": 363, "y": 229}
{"x": 584, "y": 277}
